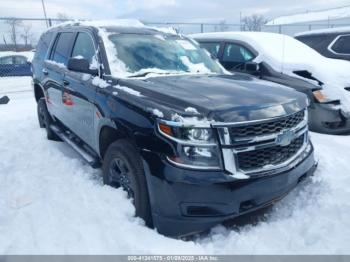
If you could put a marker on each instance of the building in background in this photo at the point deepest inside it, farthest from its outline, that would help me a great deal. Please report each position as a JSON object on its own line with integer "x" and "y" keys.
{"x": 311, "y": 20}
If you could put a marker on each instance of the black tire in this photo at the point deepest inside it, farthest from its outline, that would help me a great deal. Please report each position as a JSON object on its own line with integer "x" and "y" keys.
{"x": 40, "y": 111}
{"x": 131, "y": 178}
{"x": 46, "y": 120}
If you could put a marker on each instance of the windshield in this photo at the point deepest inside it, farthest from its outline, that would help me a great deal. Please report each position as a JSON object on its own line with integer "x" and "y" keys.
{"x": 162, "y": 54}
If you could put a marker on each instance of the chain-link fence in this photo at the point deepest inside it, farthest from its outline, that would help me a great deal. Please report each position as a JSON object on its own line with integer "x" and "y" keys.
{"x": 22, "y": 34}
{"x": 19, "y": 36}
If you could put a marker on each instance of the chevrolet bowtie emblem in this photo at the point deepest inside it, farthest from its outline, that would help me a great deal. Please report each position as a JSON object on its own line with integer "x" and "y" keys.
{"x": 285, "y": 137}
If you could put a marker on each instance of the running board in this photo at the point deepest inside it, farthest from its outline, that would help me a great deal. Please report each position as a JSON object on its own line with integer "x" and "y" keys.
{"x": 93, "y": 161}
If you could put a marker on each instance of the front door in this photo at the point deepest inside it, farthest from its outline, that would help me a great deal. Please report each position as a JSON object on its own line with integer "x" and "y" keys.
{"x": 79, "y": 92}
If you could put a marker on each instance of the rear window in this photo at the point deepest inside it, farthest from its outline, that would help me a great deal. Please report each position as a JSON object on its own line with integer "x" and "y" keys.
{"x": 61, "y": 51}
{"x": 7, "y": 60}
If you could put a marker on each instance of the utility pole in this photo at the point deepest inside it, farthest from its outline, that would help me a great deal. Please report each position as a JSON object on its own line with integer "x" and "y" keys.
{"x": 240, "y": 21}
{"x": 43, "y": 4}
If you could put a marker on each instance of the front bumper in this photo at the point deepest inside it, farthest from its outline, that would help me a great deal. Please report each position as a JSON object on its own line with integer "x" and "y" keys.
{"x": 186, "y": 202}
{"x": 326, "y": 120}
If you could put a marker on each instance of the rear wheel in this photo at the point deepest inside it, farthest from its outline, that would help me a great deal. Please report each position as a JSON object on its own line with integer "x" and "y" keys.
{"x": 122, "y": 167}
{"x": 45, "y": 120}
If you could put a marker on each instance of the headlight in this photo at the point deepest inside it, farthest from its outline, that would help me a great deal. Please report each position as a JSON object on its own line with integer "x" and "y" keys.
{"x": 319, "y": 96}
{"x": 196, "y": 146}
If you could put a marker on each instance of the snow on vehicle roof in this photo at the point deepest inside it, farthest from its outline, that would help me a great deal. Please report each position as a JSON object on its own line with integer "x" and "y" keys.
{"x": 343, "y": 29}
{"x": 329, "y": 14}
{"x": 126, "y": 23}
{"x": 28, "y": 54}
{"x": 285, "y": 54}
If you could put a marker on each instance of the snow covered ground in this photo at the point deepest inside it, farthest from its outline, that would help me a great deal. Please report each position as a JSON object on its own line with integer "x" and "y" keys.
{"x": 51, "y": 202}
{"x": 15, "y": 84}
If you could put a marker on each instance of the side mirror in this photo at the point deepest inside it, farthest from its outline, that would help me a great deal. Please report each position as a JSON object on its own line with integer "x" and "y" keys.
{"x": 4, "y": 100}
{"x": 81, "y": 65}
{"x": 251, "y": 67}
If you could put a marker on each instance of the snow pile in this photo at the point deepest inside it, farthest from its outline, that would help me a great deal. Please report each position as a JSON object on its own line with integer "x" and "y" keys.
{"x": 195, "y": 68}
{"x": 158, "y": 113}
{"x": 128, "y": 90}
{"x": 67, "y": 210}
{"x": 97, "y": 81}
{"x": 191, "y": 110}
{"x": 324, "y": 15}
{"x": 60, "y": 65}
{"x": 286, "y": 55}
{"x": 336, "y": 30}
{"x": 15, "y": 84}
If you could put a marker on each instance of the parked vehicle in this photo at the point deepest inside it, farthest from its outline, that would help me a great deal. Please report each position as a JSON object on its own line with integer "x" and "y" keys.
{"x": 15, "y": 64}
{"x": 284, "y": 60}
{"x": 191, "y": 145}
{"x": 332, "y": 42}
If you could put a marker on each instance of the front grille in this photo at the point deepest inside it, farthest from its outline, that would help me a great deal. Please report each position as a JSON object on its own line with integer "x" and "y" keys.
{"x": 274, "y": 155}
{"x": 266, "y": 128}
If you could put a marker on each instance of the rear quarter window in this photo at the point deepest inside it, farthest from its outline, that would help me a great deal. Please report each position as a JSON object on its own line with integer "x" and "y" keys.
{"x": 43, "y": 46}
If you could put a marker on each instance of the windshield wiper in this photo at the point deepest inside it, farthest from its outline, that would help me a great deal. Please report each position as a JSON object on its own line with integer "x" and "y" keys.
{"x": 150, "y": 72}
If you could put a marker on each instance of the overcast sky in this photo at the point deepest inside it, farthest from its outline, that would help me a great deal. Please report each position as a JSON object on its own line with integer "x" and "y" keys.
{"x": 164, "y": 10}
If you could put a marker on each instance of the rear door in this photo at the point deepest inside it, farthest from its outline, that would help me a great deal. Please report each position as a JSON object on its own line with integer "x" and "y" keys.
{"x": 54, "y": 70}
{"x": 78, "y": 90}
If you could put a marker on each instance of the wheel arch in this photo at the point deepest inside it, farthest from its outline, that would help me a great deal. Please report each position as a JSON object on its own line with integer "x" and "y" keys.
{"x": 38, "y": 92}
{"x": 108, "y": 135}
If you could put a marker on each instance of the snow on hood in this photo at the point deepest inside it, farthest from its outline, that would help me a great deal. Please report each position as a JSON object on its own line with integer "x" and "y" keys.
{"x": 286, "y": 55}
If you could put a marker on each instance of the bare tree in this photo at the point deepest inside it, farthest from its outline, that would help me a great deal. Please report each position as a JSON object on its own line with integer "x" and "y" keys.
{"x": 62, "y": 16}
{"x": 221, "y": 27}
{"x": 253, "y": 22}
{"x": 27, "y": 35}
{"x": 14, "y": 24}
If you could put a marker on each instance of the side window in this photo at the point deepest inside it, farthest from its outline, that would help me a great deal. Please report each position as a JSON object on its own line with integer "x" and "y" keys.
{"x": 342, "y": 45}
{"x": 7, "y": 60}
{"x": 43, "y": 46}
{"x": 237, "y": 54}
{"x": 212, "y": 48}
{"x": 62, "y": 48}
{"x": 84, "y": 47}
{"x": 20, "y": 60}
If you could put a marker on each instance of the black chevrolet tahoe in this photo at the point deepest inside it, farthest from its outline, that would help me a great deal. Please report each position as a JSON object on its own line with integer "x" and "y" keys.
{"x": 191, "y": 144}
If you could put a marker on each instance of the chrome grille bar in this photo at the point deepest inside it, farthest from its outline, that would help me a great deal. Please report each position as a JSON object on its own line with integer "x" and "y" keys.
{"x": 232, "y": 147}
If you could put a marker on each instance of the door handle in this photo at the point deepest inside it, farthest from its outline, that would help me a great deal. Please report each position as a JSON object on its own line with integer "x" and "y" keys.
{"x": 45, "y": 72}
{"x": 65, "y": 82}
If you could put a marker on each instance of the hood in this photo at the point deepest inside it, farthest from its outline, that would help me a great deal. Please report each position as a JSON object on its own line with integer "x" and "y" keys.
{"x": 223, "y": 98}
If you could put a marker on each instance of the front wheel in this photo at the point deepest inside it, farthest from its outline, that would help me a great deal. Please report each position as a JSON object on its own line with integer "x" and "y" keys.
{"x": 122, "y": 167}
